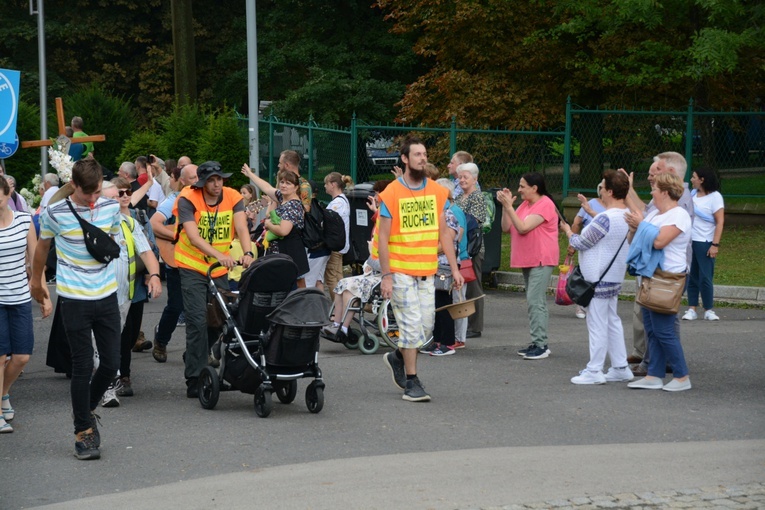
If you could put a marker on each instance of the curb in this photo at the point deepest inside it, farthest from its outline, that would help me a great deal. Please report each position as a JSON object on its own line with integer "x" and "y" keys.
{"x": 723, "y": 293}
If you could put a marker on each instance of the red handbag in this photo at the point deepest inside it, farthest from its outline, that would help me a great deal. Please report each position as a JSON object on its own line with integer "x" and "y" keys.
{"x": 466, "y": 270}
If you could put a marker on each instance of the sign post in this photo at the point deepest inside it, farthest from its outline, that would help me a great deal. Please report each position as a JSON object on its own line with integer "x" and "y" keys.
{"x": 9, "y": 105}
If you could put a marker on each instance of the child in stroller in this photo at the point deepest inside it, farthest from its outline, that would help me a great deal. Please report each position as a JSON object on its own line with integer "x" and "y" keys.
{"x": 270, "y": 338}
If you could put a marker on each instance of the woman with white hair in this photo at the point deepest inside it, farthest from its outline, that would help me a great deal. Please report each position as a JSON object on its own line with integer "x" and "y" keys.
{"x": 443, "y": 330}
{"x": 471, "y": 202}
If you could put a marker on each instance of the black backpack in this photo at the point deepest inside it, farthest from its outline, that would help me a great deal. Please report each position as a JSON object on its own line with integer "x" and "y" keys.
{"x": 474, "y": 232}
{"x": 323, "y": 229}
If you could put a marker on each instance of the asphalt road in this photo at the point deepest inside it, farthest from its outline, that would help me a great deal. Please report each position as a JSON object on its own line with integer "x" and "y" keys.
{"x": 500, "y": 430}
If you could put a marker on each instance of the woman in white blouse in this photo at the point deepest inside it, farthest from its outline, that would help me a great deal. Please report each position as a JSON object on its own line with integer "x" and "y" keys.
{"x": 708, "y": 222}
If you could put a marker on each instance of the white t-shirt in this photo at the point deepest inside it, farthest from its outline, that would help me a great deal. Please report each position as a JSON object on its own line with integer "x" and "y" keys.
{"x": 706, "y": 207}
{"x": 155, "y": 192}
{"x": 47, "y": 196}
{"x": 675, "y": 260}
{"x": 341, "y": 206}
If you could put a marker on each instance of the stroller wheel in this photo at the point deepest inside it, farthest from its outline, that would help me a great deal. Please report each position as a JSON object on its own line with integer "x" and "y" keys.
{"x": 314, "y": 398}
{"x": 263, "y": 402}
{"x": 286, "y": 391}
{"x": 209, "y": 388}
{"x": 368, "y": 344}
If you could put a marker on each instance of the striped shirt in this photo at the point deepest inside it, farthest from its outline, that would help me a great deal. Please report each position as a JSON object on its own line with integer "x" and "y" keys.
{"x": 78, "y": 274}
{"x": 14, "y": 287}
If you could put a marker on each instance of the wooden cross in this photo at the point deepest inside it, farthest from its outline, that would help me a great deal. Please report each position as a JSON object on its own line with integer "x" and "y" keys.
{"x": 61, "y": 131}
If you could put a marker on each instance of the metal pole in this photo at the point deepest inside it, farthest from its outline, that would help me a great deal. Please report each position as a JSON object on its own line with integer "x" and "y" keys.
{"x": 689, "y": 142}
{"x": 252, "y": 86}
{"x": 43, "y": 82}
{"x": 567, "y": 149}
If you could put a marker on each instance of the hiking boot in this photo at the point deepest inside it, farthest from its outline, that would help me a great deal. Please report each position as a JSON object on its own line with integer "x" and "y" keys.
{"x": 85, "y": 445}
{"x": 396, "y": 369}
{"x": 141, "y": 344}
{"x": 415, "y": 391}
{"x": 159, "y": 352}
{"x": 125, "y": 387}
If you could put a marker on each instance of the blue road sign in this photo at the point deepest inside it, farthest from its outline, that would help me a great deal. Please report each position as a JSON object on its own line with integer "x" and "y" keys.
{"x": 8, "y": 149}
{"x": 9, "y": 104}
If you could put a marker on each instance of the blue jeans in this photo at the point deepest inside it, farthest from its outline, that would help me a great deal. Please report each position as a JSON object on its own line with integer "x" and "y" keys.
{"x": 663, "y": 344}
{"x": 80, "y": 318}
{"x": 701, "y": 275}
{"x": 173, "y": 309}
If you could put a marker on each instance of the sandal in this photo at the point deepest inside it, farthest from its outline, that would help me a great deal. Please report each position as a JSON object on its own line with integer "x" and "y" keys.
{"x": 8, "y": 413}
{"x": 5, "y": 428}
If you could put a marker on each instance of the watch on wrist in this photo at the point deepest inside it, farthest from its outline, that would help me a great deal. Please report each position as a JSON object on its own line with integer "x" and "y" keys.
{"x": 249, "y": 254}
{"x": 155, "y": 274}
{"x": 716, "y": 245}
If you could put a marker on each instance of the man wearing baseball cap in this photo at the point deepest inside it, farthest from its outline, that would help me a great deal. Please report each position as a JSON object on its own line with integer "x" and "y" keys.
{"x": 211, "y": 216}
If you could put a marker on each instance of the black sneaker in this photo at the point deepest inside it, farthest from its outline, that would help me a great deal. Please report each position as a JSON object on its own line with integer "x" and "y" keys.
{"x": 537, "y": 353}
{"x": 415, "y": 391}
{"x": 85, "y": 445}
{"x": 432, "y": 346}
{"x": 522, "y": 352}
{"x": 192, "y": 390}
{"x": 443, "y": 350}
{"x": 396, "y": 369}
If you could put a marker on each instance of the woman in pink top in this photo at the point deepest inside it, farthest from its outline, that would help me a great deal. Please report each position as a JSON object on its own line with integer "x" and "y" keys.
{"x": 534, "y": 248}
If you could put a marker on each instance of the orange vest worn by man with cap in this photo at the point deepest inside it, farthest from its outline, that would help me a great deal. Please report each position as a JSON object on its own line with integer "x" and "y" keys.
{"x": 215, "y": 223}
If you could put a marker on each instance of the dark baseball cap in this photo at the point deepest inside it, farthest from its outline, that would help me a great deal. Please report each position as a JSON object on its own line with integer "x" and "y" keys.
{"x": 207, "y": 170}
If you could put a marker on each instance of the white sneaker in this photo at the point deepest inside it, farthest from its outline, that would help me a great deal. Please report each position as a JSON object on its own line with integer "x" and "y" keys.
{"x": 110, "y": 397}
{"x": 619, "y": 374}
{"x": 580, "y": 312}
{"x": 588, "y": 377}
{"x": 710, "y": 315}
{"x": 690, "y": 315}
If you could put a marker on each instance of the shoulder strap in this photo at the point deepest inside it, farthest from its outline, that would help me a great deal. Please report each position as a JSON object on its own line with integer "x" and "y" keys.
{"x": 613, "y": 259}
{"x": 71, "y": 208}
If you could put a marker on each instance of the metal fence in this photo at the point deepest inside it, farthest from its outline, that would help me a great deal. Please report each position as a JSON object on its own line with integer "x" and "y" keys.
{"x": 572, "y": 159}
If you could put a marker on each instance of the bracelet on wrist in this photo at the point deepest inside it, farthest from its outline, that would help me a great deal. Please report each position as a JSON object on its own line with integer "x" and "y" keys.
{"x": 386, "y": 274}
{"x": 716, "y": 245}
{"x": 155, "y": 274}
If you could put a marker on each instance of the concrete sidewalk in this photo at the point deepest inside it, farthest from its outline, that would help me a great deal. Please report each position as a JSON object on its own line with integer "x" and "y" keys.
{"x": 723, "y": 293}
{"x": 662, "y": 474}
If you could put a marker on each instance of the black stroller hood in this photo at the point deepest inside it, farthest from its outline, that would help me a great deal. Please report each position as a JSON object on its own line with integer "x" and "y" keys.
{"x": 302, "y": 308}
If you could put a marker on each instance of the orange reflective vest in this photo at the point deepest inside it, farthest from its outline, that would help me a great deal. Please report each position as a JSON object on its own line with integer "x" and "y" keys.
{"x": 215, "y": 224}
{"x": 413, "y": 244}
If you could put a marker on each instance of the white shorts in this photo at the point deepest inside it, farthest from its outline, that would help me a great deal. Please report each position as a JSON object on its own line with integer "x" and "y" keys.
{"x": 414, "y": 306}
{"x": 316, "y": 268}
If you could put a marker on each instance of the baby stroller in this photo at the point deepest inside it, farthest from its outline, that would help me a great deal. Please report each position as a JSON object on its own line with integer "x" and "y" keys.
{"x": 270, "y": 338}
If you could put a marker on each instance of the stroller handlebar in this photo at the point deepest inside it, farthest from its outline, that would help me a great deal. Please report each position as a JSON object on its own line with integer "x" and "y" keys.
{"x": 216, "y": 265}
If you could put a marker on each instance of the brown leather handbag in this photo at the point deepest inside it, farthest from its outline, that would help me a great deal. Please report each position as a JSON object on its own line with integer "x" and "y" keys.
{"x": 662, "y": 292}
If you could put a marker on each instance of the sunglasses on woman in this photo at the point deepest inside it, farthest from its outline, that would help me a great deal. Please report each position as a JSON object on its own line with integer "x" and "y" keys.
{"x": 124, "y": 192}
